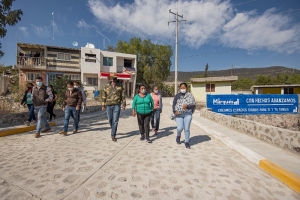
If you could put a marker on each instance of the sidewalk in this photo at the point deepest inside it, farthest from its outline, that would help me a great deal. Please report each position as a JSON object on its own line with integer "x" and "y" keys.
{"x": 283, "y": 158}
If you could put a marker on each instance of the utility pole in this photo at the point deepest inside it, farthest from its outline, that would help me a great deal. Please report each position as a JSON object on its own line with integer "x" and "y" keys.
{"x": 176, "y": 46}
{"x": 53, "y": 28}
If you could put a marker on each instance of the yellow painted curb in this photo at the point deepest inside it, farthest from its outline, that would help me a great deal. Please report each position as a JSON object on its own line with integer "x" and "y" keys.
{"x": 20, "y": 130}
{"x": 288, "y": 178}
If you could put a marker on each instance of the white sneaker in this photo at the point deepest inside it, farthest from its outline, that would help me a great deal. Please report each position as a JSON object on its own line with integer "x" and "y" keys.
{"x": 33, "y": 123}
{"x": 27, "y": 123}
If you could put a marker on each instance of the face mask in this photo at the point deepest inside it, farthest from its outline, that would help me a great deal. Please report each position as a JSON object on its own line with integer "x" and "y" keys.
{"x": 75, "y": 86}
{"x": 143, "y": 91}
{"x": 70, "y": 89}
{"x": 39, "y": 83}
{"x": 29, "y": 88}
{"x": 183, "y": 91}
{"x": 155, "y": 91}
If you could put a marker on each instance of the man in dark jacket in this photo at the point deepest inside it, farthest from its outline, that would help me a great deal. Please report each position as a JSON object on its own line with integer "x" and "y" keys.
{"x": 41, "y": 95}
{"x": 71, "y": 106}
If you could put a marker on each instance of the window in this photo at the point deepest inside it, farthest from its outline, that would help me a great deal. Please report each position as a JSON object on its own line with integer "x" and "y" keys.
{"x": 210, "y": 87}
{"x": 92, "y": 81}
{"x": 288, "y": 90}
{"x": 31, "y": 76}
{"x": 63, "y": 56}
{"x": 73, "y": 76}
{"x": 90, "y": 57}
{"x": 107, "y": 61}
{"x": 127, "y": 63}
{"x": 51, "y": 77}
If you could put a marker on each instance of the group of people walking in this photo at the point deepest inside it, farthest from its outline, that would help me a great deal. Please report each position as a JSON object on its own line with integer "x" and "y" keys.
{"x": 146, "y": 106}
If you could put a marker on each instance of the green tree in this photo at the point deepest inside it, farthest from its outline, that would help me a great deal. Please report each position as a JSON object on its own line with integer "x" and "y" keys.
{"x": 153, "y": 60}
{"x": 264, "y": 80}
{"x": 242, "y": 84}
{"x": 7, "y": 17}
{"x": 206, "y": 70}
{"x": 60, "y": 86}
{"x": 205, "y": 74}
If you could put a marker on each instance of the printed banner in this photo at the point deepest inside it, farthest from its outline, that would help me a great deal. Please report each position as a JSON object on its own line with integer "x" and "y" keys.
{"x": 253, "y": 104}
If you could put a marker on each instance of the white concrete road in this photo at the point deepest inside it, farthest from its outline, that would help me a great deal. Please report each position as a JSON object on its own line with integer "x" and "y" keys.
{"x": 88, "y": 165}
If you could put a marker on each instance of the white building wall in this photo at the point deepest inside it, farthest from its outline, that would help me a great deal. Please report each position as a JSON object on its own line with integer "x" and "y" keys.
{"x": 90, "y": 69}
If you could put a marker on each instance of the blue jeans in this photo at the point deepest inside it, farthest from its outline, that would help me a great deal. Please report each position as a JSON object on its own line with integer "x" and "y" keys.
{"x": 31, "y": 112}
{"x": 155, "y": 115}
{"x": 68, "y": 112}
{"x": 113, "y": 114}
{"x": 41, "y": 119}
{"x": 184, "y": 122}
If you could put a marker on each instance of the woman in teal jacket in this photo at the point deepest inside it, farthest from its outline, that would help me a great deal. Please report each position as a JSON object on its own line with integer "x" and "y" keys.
{"x": 143, "y": 106}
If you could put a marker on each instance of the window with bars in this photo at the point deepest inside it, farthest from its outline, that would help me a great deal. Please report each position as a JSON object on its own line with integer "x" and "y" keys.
{"x": 63, "y": 56}
{"x": 31, "y": 76}
{"x": 210, "y": 87}
{"x": 73, "y": 76}
{"x": 92, "y": 81}
{"x": 107, "y": 61}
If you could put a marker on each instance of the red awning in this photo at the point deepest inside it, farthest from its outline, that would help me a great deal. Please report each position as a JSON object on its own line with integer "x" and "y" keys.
{"x": 104, "y": 75}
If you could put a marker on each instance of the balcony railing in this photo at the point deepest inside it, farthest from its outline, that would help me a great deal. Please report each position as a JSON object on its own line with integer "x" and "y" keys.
{"x": 119, "y": 69}
{"x": 31, "y": 62}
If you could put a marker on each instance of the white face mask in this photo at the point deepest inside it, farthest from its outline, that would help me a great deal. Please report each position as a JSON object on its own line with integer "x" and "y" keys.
{"x": 143, "y": 91}
{"x": 183, "y": 91}
{"x": 70, "y": 89}
{"x": 75, "y": 86}
{"x": 155, "y": 91}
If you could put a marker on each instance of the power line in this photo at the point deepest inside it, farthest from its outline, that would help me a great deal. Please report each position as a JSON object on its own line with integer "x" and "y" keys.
{"x": 237, "y": 49}
{"x": 222, "y": 6}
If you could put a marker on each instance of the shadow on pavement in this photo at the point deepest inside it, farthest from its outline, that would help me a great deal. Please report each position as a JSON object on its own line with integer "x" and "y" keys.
{"x": 126, "y": 135}
{"x": 199, "y": 139}
{"x": 168, "y": 131}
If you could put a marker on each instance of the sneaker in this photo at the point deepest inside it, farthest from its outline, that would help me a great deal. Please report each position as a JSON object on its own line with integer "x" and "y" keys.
{"x": 33, "y": 122}
{"x": 142, "y": 138}
{"x": 155, "y": 134}
{"x": 27, "y": 123}
{"x": 148, "y": 140}
{"x": 46, "y": 130}
{"x": 75, "y": 131}
{"x": 64, "y": 133}
{"x": 37, "y": 135}
{"x": 178, "y": 139}
{"x": 114, "y": 139}
{"x": 187, "y": 145}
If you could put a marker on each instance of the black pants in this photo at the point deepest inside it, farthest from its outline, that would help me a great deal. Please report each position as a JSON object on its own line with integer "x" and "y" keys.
{"x": 144, "y": 123}
{"x": 50, "y": 109}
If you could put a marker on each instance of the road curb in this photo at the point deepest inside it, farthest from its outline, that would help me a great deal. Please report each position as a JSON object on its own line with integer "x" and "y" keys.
{"x": 21, "y": 129}
{"x": 288, "y": 178}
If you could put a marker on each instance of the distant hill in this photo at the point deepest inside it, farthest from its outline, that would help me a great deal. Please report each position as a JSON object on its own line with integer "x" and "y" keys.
{"x": 240, "y": 72}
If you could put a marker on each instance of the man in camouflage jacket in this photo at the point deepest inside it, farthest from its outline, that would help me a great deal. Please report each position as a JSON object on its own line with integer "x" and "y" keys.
{"x": 113, "y": 97}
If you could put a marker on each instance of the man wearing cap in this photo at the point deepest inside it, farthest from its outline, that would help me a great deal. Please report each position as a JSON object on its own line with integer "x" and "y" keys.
{"x": 113, "y": 97}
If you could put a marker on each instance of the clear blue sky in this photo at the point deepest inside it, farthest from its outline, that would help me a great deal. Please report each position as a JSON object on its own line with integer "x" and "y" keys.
{"x": 246, "y": 33}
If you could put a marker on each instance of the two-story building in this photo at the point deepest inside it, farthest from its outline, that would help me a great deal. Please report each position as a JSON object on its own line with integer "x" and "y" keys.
{"x": 96, "y": 66}
{"x": 48, "y": 62}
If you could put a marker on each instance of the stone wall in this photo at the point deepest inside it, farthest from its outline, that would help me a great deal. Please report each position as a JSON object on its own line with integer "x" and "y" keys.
{"x": 283, "y": 138}
{"x": 19, "y": 118}
{"x": 286, "y": 121}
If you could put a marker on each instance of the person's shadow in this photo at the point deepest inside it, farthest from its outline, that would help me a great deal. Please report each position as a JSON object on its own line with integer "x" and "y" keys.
{"x": 126, "y": 135}
{"x": 199, "y": 139}
{"x": 167, "y": 131}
